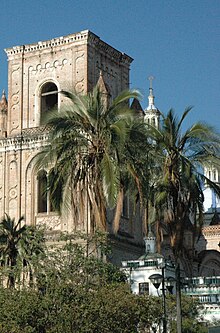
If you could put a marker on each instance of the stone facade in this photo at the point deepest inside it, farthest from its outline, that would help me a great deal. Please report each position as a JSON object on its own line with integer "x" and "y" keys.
{"x": 71, "y": 62}
{"x": 37, "y": 73}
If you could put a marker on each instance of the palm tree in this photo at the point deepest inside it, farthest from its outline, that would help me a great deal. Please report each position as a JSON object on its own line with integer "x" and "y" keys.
{"x": 32, "y": 250}
{"x": 11, "y": 233}
{"x": 87, "y": 150}
{"x": 140, "y": 158}
{"x": 177, "y": 190}
{"x": 21, "y": 247}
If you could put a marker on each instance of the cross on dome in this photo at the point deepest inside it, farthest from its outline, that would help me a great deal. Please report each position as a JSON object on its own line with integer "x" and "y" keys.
{"x": 151, "y": 78}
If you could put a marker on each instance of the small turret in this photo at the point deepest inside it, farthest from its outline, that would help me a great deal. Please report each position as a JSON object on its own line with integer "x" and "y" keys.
{"x": 136, "y": 106}
{"x": 150, "y": 242}
{"x": 3, "y": 102}
{"x": 3, "y": 114}
{"x": 152, "y": 114}
{"x": 104, "y": 89}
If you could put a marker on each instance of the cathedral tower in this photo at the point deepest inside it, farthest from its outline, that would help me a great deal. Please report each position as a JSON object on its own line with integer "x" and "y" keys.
{"x": 37, "y": 73}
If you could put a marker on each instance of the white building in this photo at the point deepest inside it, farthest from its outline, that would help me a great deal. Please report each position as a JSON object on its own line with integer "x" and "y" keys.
{"x": 211, "y": 201}
{"x": 207, "y": 289}
{"x": 139, "y": 273}
{"x": 151, "y": 263}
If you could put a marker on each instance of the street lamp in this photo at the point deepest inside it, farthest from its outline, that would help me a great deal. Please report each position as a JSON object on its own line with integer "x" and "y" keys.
{"x": 157, "y": 280}
{"x": 170, "y": 284}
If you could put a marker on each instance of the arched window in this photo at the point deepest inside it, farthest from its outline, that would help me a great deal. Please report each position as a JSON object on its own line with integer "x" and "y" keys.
{"x": 49, "y": 98}
{"x": 44, "y": 203}
{"x": 42, "y": 191}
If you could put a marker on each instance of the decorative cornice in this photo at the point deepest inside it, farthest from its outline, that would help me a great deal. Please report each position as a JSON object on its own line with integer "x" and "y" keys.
{"x": 48, "y": 44}
{"x": 106, "y": 48}
{"x": 32, "y": 131}
{"x": 79, "y": 37}
{"x": 211, "y": 230}
{"x": 32, "y": 138}
{"x": 152, "y": 112}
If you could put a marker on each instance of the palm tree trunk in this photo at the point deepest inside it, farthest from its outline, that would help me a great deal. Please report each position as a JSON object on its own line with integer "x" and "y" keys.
{"x": 11, "y": 277}
{"x": 178, "y": 298}
{"x": 145, "y": 218}
{"x": 118, "y": 210}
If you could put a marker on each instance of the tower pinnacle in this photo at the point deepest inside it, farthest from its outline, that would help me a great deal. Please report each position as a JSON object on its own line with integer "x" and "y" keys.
{"x": 151, "y": 96}
{"x": 152, "y": 114}
{"x": 3, "y": 102}
{"x": 151, "y": 78}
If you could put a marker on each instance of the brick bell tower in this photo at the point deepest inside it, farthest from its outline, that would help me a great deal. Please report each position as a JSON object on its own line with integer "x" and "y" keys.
{"x": 36, "y": 75}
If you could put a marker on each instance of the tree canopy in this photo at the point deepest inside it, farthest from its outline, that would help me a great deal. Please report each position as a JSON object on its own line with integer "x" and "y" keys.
{"x": 177, "y": 192}
{"x": 72, "y": 292}
{"x": 87, "y": 149}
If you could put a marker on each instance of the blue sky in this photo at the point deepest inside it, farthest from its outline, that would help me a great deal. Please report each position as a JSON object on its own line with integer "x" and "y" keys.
{"x": 176, "y": 41}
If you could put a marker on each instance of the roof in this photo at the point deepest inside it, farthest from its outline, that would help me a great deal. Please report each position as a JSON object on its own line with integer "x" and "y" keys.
{"x": 136, "y": 106}
{"x": 3, "y": 102}
{"x": 104, "y": 88}
{"x": 151, "y": 256}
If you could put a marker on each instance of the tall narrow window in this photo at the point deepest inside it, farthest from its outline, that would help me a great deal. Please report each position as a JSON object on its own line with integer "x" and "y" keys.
{"x": 44, "y": 202}
{"x": 51, "y": 176}
{"x": 42, "y": 193}
{"x": 49, "y": 98}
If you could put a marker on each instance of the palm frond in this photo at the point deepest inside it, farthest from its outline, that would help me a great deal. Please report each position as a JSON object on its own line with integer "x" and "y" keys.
{"x": 110, "y": 180}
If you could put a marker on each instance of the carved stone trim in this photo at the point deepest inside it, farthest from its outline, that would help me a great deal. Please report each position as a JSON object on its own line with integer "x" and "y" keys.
{"x": 211, "y": 230}
{"x": 51, "y": 221}
{"x": 48, "y": 66}
{"x": 31, "y": 138}
{"x": 83, "y": 36}
{"x": 111, "y": 51}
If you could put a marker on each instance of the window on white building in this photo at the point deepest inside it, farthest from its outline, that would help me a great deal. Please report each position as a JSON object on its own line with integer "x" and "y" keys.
{"x": 144, "y": 288}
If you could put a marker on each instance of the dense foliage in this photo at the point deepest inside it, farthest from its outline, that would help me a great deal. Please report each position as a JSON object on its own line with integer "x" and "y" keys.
{"x": 109, "y": 308}
{"x": 75, "y": 291}
{"x": 20, "y": 248}
{"x": 192, "y": 321}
